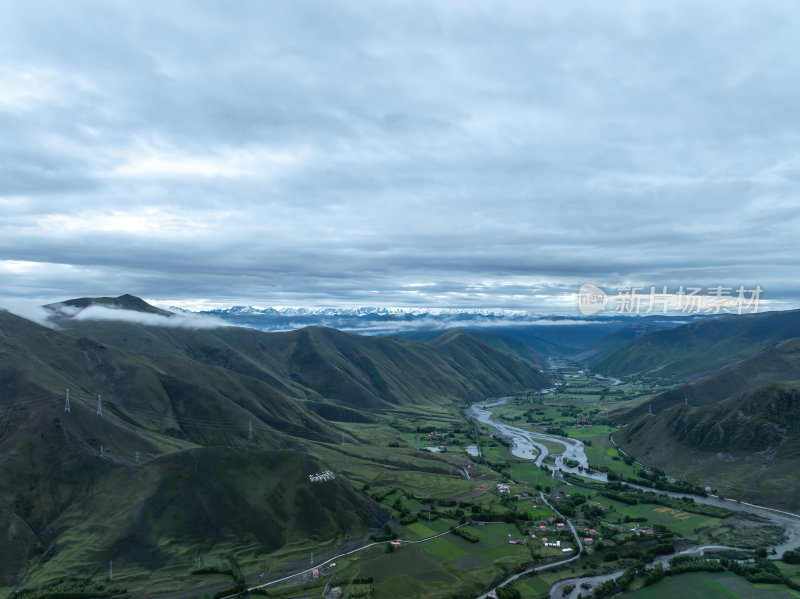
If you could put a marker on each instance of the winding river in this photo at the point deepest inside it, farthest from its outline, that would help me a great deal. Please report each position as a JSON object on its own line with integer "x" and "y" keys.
{"x": 524, "y": 445}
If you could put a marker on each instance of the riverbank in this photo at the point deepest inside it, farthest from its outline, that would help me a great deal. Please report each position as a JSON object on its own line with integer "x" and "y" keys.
{"x": 524, "y": 446}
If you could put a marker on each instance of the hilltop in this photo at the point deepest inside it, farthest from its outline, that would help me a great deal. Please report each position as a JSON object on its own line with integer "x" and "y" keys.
{"x": 71, "y": 307}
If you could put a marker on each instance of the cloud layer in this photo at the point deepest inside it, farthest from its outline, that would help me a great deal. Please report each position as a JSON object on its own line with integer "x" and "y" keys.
{"x": 456, "y": 154}
{"x": 182, "y": 320}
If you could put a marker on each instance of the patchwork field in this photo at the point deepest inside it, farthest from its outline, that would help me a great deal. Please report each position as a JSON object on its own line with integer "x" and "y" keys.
{"x": 440, "y": 567}
{"x": 711, "y": 585}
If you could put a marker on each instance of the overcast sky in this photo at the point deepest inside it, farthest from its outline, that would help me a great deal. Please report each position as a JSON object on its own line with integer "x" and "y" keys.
{"x": 397, "y": 153}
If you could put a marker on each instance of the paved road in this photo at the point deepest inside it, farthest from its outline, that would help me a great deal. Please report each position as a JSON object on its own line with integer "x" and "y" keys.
{"x": 337, "y": 557}
{"x": 546, "y": 566}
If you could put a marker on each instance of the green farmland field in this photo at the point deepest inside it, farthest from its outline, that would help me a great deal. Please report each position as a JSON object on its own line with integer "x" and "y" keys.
{"x": 711, "y": 585}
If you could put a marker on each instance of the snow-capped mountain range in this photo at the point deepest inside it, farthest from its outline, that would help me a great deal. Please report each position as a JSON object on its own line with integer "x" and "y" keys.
{"x": 373, "y": 311}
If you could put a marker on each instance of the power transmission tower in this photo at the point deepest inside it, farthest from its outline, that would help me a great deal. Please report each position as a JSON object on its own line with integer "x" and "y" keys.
{"x": 342, "y": 437}
{"x": 111, "y": 570}
{"x": 650, "y": 409}
{"x": 66, "y": 403}
{"x": 312, "y": 558}
{"x": 137, "y": 458}
{"x": 102, "y": 451}
{"x": 250, "y": 431}
{"x": 99, "y": 405}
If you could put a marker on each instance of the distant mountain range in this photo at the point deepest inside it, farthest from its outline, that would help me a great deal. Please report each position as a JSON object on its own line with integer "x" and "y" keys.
{"x": 374, "y": 311}
{"x": 545, "y": 335}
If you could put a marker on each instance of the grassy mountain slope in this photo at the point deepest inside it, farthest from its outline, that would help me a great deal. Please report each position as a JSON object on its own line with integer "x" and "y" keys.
{"x": 544, "y": 339}
{"x": 316, "y": 362}
{"x": 195, "y": 500}
{"x": 170, "y": 396}
{"x": 53, "y": 472}
{"x": 507, "y": 344}
{"x": 616, "y": 339}
{"x": 746, "y": 445}
{"x": 701, "y": 347}
{"x": 780, "y": 362}
{"x": 182, "y": 399}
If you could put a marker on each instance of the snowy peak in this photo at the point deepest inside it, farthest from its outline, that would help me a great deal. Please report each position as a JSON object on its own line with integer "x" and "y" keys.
{"x": 374, "y": 311}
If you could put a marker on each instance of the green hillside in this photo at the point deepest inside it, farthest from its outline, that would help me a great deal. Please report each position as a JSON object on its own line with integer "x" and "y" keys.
{"x": 695, "y": 349}
{"x": 166, "y": 475}
{"x": 616, "y": 339}
{"x": 316, "y": 362}
{"x": 780, "y": 362}
{"x": 745, "y": 446}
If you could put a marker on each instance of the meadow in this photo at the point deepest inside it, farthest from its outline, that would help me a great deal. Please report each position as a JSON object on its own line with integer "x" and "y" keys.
{"x": 711, "y": 585}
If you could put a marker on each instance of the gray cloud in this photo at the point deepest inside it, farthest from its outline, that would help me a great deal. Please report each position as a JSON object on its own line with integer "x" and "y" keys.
{"x": 178, "y": 320}
{"x": 397, "y": 154}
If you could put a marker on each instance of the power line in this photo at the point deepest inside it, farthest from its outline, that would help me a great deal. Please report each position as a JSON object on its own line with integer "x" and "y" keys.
{"x": 47, "y": 397}
{"x": 183, "y": 421}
